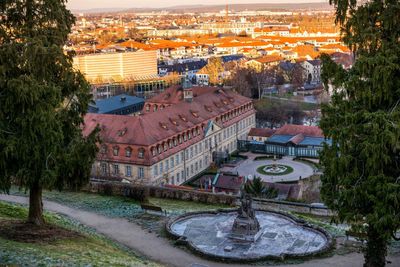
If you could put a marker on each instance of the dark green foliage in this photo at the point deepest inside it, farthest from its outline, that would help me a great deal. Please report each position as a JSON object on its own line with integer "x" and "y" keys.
{"x": 42, "y": 100}
{"x": 362, "y": 167}
{"x": 140, "y": 194}
{"x": 257, "y": 188}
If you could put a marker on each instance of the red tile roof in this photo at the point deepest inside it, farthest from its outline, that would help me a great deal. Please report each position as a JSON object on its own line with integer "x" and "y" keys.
{"x": 291, "y": 129}
{"x": 263, "y": 132}
{"x": 154, "y": 128}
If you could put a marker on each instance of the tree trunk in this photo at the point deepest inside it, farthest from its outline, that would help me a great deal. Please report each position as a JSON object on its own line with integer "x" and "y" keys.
{"x": 35, "y": 205}
{"x": 376, "y": 250}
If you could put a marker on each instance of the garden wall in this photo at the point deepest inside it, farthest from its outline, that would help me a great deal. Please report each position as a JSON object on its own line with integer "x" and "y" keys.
{"x": 291, "y": 206}
{"x": 139, "y": 191}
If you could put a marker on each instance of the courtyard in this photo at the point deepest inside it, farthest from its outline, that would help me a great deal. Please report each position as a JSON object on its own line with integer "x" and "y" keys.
{"x": 254, "y": 166}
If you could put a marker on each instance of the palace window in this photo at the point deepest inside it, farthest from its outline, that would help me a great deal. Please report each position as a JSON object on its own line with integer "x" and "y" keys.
{"x": 115, "y": 151}
{"x": 155, "y": 170}
{"x": 116, "y": 169}
{"x": 104, "y": 168}
{"x": 128, "y": 171}
{"x": 141, "y": 153}
{"x": 141, "y": 172}
{"x": 161, "y": 168}
{"x": 128, "y": 152}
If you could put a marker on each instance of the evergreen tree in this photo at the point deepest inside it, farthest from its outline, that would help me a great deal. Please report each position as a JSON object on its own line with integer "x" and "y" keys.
{"x": 42, "y": 102}
{"x": 362, "y": 166}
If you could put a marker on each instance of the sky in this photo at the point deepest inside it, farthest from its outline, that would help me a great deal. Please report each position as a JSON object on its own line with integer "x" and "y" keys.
{"x": 90, "y": 4}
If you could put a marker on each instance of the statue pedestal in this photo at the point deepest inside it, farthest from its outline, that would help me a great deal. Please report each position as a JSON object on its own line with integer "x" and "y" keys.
{"x": 245, "y": 229}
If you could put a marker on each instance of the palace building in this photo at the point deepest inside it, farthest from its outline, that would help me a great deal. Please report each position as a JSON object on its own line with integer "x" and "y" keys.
{"x": 177, "y": 137}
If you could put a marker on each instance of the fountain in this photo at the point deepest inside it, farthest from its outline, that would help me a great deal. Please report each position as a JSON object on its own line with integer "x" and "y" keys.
{"x": 246, "y": 226}
{"x": 247, "y": 234}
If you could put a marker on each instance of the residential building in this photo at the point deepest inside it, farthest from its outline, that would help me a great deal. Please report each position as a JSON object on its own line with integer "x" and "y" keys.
{"x": 313, "y": 70}
{"x": 260, "y": 134}
{"x": 117, "y": 66}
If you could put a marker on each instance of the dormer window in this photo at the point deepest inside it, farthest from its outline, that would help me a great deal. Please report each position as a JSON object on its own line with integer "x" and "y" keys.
{"x": 128, "y": 152}
{"x": 165, "y": 147}
{"x": 115, "y": 151}
{"x": 164, "y": 126}
{"x": 170, "y": 144}
{"x": 184, "y": 137}
{"x": 197, "y": 131}
{"x": 153, "y": 152}
{"x": 180, "y": 139}
{"x": 147, "y": 107}
{"x": 208, "y": 108}
{"x": 175, "y": 142}
{"x": 122, "y": 132}
{"x": 159, "y": 149}
{"x": 194, "y": 113}
{"x": 174, "y": 122}
{"x": 141, "y": 153}
{"x": 189, "y": 135}
{"x": 183, "y": 118}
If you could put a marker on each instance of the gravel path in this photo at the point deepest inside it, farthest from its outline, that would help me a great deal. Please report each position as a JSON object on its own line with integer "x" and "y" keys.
{"x": 159, "y": 249}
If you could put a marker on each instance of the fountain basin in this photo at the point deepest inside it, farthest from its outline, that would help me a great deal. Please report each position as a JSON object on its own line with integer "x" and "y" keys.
{"x": 280, "y": 236}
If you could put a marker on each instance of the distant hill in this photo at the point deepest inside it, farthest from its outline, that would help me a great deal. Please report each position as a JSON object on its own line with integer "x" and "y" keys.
{"x": 216, "y": 8}
{"x": 255, "y": 6}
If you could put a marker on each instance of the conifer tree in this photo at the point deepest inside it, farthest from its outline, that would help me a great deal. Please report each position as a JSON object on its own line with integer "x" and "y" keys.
{"x": 362, "y": 166}
{"x": 42, "y": 102}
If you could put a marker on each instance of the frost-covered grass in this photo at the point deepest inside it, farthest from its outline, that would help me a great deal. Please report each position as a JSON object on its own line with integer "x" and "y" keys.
{"x": 89, "y": 249}
{"x": 115, "y": 206}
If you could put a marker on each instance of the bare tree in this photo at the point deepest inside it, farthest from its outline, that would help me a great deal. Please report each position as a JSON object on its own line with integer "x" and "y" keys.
{"x": 240, "y": 81}
{"x": 264, "y": 77}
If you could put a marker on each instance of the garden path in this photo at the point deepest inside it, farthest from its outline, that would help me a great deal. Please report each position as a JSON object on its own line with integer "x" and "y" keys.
{"x": 160, "y": 249}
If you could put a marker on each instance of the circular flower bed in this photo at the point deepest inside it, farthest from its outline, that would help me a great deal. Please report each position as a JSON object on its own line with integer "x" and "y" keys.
{"x": 275, "y": 169}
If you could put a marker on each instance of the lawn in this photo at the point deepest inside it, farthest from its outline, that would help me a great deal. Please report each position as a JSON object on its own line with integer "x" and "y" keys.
{"x": 272, "y": 102}
{"x": 287, "y": 171}
{"x": 115, "y": 206}
{"x": 83, "y": 248}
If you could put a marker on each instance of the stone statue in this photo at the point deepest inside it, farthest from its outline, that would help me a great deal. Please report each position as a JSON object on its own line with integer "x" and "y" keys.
{"x": 245, "y": 226}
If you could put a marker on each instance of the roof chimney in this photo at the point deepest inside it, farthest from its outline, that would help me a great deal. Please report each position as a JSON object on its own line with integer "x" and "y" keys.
{"x": 123, "y": 98}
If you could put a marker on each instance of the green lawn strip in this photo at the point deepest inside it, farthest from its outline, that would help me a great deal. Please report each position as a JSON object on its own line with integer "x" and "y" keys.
{"x": 121, "y": 207}
{"x": 261, "y": 170}
{"x": 272, "y": 102}
{"x": 323, "y": 222}
{"x": 89, "y": 250}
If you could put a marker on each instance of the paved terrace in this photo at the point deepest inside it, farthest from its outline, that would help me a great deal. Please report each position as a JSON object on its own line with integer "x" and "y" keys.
{"x": 249, "y": 166}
